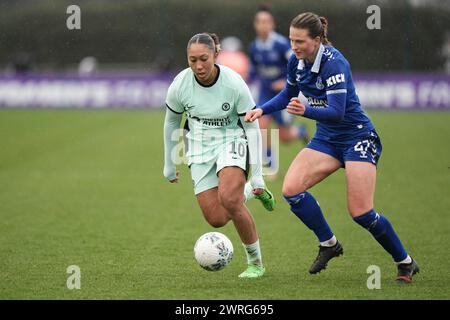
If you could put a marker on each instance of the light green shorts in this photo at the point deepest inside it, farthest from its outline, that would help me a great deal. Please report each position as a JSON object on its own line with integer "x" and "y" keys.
{"x": 232, "y": 154}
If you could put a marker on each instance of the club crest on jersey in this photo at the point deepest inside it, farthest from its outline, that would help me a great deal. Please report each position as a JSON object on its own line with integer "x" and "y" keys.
{"x": 337, "y": 78}
{"x": 319, "y": 83}
{"x": 226, "y": 106}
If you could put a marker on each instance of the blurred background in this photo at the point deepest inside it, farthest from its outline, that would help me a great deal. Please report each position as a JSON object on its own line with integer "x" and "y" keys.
{"x": 126, "y": 53}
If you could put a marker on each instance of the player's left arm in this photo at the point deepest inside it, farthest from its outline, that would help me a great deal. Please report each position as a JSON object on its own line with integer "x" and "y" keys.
{"x": 336, "y": 89}
{"x": 245, "y": 103}
{"x": 172, "y": 122}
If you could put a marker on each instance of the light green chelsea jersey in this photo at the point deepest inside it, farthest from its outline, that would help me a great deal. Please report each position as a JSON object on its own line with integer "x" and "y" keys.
{"x": 212, "y": 111}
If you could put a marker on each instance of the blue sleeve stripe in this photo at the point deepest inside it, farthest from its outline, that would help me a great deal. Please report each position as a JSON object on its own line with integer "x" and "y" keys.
{"x": 336, "y": 91}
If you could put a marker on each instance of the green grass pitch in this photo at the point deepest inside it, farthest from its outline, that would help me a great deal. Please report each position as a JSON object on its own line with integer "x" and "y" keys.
{"x": 86, "y": 188}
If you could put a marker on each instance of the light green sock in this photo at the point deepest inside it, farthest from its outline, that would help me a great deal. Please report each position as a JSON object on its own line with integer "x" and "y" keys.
{"x": 253, "y": 252}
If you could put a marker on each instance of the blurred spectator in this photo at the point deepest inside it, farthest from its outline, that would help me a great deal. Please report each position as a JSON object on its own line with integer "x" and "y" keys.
{"x": 446, "y": 53}
{"x": 87, "y": 66}
{"x": 21, "y": 63}
{"x": 164, "y": 62}
{"x": 232, "y": 56}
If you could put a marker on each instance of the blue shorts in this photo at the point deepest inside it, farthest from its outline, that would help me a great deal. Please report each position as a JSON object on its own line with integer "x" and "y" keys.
{"x": 365, "y": 148}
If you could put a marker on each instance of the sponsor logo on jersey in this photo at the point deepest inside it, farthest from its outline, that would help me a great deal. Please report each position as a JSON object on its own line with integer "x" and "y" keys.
{"x": 226, "y": 106}
{"x": 212, "y": 122}
{"x": 317, "y": 102}
{"x": 337, "y": 78}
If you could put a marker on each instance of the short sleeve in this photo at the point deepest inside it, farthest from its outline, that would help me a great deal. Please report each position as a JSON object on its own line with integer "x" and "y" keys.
{"x": 172, "y": 99}
{"x": 292, "y": 70}
{"x": 244, "y": 100}
{"x": 335, "y": 76}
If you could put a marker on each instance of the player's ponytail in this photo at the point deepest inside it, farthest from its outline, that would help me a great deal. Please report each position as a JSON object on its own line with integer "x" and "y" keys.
{"x": 324, "y": 34}
{"x": 316, "y": 26}
{"x": 216, "y": 40}
{"x": 211, "y": 40}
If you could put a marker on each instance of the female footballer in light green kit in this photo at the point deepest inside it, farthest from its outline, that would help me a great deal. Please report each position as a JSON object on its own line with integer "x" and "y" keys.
{"x": 220, "y": 144}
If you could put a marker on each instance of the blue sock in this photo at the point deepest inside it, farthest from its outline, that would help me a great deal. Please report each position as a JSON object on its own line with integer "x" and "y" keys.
{"x": 301, "y": 131}
{"x": 383, "y": 232}
{"x": 269, "y": 157}
{"x": 306, "y": 208}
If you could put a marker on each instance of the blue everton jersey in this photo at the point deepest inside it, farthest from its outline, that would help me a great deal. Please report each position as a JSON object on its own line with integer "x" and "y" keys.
{"x": 268, "y": 63}
{"x": 330, "y": 74}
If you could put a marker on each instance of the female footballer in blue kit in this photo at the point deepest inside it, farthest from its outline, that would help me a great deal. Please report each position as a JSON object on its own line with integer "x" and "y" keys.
{"x": 269, "y": 53}
{"x": 345, "y": 137}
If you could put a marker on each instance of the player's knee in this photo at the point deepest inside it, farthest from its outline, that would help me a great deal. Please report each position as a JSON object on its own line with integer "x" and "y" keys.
{"x": 291, "y": 187}
{"x": 215, "y": 215}
{"x": 357, "y": 209}
{"x": 232, "y": 202}
{"x": 233, "y": 205}
{"x": 217, "y": 221}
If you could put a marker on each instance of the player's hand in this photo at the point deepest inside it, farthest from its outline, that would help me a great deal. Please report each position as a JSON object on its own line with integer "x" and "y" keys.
{"x": 176, "y": 179}
{"x": 295, "y": 107}
{"x": 252, "y": 115}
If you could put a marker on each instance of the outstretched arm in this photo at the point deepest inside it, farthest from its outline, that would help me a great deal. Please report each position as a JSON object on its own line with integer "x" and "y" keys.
{"x": 281, "y": 100}
{"x": 171, "y": 124}
{"x": 334, "y": 112}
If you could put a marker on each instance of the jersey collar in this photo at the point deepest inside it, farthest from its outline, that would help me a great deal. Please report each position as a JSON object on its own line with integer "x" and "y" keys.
{"x": 215, "y": 80}
{"x": 316, "y": 66}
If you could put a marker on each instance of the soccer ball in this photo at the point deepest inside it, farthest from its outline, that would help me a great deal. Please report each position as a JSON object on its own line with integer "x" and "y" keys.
{"x": 213, "y": 251}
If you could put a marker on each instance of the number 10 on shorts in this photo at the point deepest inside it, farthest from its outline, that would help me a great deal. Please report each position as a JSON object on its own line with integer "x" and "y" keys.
{"x": 237, "y": 148}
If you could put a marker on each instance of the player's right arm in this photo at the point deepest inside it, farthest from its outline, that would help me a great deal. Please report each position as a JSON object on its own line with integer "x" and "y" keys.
{"x": 172, "y": 122}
